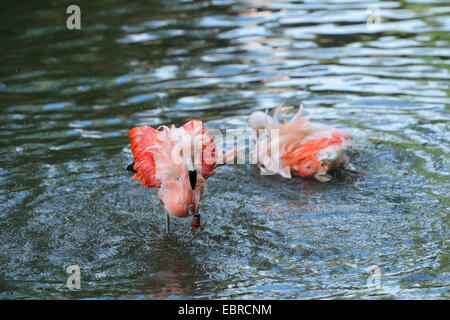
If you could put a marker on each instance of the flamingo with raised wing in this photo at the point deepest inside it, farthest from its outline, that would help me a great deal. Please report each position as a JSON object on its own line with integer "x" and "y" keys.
{"x": 177, "y": 161}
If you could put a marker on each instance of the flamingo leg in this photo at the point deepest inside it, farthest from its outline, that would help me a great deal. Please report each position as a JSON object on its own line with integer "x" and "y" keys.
{"x": 167, "y": 223}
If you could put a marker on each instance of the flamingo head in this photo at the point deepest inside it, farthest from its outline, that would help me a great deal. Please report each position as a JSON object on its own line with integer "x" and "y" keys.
{"x": 181, "y": 196}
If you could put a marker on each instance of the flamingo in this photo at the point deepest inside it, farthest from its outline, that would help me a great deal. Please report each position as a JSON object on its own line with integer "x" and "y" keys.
{"x": 304, "y": 148}
{"x": 176, "y": 161}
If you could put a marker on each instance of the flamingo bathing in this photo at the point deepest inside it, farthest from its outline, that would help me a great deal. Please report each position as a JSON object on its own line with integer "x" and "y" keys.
{"x": 304, "y": 148}
{"x": 176, "y": 161}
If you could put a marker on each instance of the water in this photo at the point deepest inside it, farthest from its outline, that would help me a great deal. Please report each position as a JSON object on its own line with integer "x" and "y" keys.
{"x": 68, "y": 99}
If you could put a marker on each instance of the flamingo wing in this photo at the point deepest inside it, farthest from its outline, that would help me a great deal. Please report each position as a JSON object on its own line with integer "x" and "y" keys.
{"x": 144, "y": 164}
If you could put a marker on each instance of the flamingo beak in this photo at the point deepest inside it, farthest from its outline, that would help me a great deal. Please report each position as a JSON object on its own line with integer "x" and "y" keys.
{"x": 193, "y": 178}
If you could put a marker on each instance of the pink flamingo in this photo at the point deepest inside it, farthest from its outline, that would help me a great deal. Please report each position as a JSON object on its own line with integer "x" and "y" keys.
{"x": 304, "y": 148}
{"x": 177, "y": 161}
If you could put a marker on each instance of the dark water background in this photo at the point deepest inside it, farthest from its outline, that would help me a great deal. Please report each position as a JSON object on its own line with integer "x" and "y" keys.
{"x": 68, "y": 99}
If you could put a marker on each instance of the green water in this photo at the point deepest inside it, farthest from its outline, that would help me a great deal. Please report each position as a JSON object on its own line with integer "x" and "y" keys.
{"x": 69, "y": 97}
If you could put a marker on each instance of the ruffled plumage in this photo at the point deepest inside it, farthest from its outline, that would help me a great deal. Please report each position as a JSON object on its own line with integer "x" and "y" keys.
{"x": 144, "y": 164}
{"x": 149, "y": 145}
{"x": 302, "y": 147}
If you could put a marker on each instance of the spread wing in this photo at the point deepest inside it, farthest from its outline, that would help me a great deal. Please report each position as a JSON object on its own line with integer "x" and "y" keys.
{"x": 144, "y": 163}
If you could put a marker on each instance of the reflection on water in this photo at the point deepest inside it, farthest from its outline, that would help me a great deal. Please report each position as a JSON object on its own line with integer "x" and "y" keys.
{"x": 68, "y": 99}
